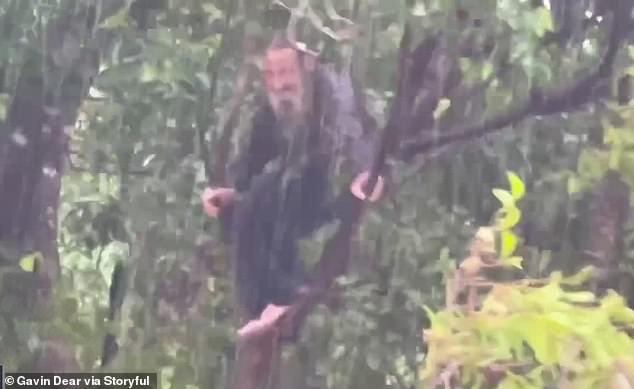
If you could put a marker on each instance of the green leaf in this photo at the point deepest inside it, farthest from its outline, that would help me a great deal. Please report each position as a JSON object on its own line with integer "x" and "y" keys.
{"x": 592, "y": 164}
{"x": 579, "y": 297}
{"x": 509, "y": 243}
{"x": 574, "y": 186}
{"x": 487, "y": 70}
{"x": 541, "y": 334}
{"x": 27, "y": 263}
{"x": 614, "y": 305}
{"x": 511, "y": 216}
{"x": 580, "y": 278}
{"x": 148, "y": 73}
{"x": 615, "y": 157}
{"x": 4, "y": 104}
{"x": 544, "y": 21}
{"x": 517, "y": 186}
{"x": 505, "y": 197}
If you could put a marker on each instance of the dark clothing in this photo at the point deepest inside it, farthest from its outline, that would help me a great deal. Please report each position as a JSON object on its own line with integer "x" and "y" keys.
{"x": 285, "y": 191}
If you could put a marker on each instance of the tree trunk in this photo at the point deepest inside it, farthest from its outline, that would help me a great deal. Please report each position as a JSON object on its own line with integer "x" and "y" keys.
{"x": 34, "y": 143}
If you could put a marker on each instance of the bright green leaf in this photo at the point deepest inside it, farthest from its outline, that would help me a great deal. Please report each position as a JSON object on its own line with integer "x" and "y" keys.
{"x": 27, "y": 263}
{"x": 517, "y": 186}
{"x": 505, "y": 197}
{"x": 542, "y": 336}
{"x": 509, "y": 243}
{"x": 580, "y": 297}
{"x": 511, "y": 216}
{"x": 579, "y": 278}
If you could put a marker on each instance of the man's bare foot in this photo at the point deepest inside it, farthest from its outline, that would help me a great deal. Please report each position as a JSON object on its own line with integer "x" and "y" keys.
{"x": 357, "y": 187}
{"x": 266, "y": 322}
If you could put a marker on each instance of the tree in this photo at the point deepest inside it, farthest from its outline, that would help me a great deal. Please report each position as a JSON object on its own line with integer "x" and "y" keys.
{"x": 524, "y": 86}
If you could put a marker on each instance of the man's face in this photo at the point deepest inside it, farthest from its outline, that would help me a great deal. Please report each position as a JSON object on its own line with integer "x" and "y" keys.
{"x": 283, "y": 80}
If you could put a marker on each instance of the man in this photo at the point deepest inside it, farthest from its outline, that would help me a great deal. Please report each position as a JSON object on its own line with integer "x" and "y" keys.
{"x": 281, "y": 189}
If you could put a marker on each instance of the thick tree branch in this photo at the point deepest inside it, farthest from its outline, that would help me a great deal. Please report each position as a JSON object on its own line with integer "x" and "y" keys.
{"x": 539, "y": 102}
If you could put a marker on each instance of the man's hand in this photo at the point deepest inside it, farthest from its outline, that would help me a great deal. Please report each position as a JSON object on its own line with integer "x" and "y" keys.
{"x": 358, "y": 185}
{"x": 214, "y": 199}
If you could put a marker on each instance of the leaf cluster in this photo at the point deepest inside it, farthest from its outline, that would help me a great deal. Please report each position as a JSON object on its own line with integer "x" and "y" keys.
{"x": 529, "y": 333}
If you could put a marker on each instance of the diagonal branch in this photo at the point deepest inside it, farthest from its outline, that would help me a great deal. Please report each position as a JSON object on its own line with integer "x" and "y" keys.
{"x": 540, "y": 101}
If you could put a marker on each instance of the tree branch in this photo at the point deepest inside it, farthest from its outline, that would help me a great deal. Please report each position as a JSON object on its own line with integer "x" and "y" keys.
{"x": 539, "y": 102}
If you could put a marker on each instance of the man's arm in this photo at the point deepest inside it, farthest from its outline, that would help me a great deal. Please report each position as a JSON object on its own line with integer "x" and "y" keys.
{"x": 262, "y": 146}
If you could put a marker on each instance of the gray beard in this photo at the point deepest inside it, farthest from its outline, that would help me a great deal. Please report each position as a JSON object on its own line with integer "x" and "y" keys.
{"x": 295, "y": 131}
{"x": 289, "y": 119}
{"x": 292, "y": 125}
{"x": 287, "y": 112}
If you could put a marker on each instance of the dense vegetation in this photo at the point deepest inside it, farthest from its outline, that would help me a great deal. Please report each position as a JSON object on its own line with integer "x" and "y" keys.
{"x": 116, "y": 114}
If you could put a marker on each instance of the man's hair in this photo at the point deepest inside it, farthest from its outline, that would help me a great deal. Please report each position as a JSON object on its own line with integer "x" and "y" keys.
{"x": 280, "y": 41}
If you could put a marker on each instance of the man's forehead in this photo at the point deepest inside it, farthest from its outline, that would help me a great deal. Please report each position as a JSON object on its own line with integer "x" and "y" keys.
{"x": 280, "y": 56}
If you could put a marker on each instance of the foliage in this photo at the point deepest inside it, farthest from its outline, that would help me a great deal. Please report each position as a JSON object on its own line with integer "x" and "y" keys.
{"x": 594, "y": 162}
{"x": 529, "y": 333}
{"x": 534, "y": 336}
